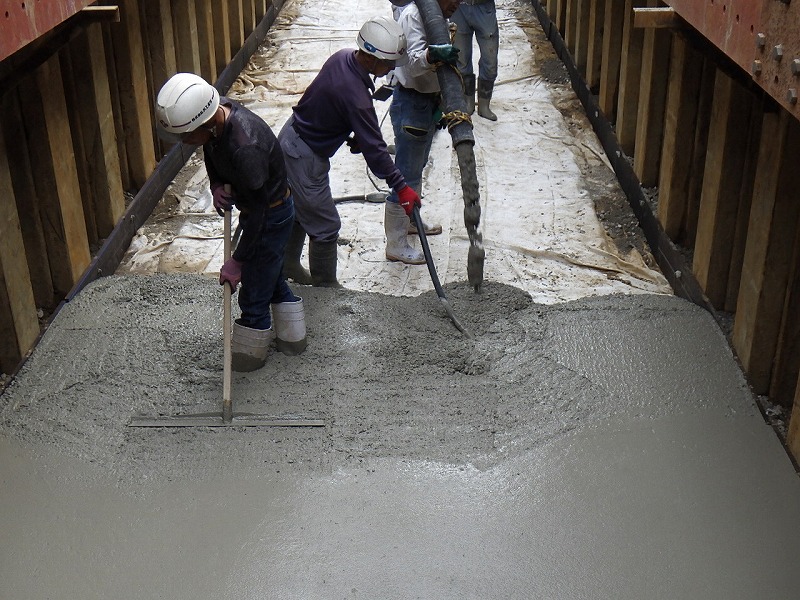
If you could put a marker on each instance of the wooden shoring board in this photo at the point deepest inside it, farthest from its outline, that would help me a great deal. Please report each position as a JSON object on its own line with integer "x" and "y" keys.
{"x": 222, "y": 33}
{"x": 261, "y": 10}
{"x": 76, "y": 116}
{"x": 629, "y": 78}
{"x": 793, "y": 435}
{"x": 680, "y": 121}
{"x": 104, "y": 184}
{"x": 570, "y": 21}
{"x": 770, "y": 242}
{"x": 787, "y": 359}
{"x": 205, "y": 39}
{"x": 582, "y": 39}
{"x": 160, "y": 42}
{"x": 699, "y": 147}
{"x": 55, "y": 175}
{"x": 236, "y": 23}
{"x": 248, "y": 16}
{"x": 135, "y": 103}
{"x": 745, "y": 201}
{"x": 116, "y": 103}
{"x": 612, "y": 55}
{"x": 184, "y": 28}
{"x": 721, "y": 184}
{"x": 594, "y": 47}
{"x": 12, "y": 124}
{"x": 652, "y": 100}
{"x": 19, "y": 325}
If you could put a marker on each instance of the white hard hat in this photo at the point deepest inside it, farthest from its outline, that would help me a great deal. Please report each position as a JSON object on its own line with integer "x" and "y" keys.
{"x": 383, "y": 38}
{"x": 185, "y": 102}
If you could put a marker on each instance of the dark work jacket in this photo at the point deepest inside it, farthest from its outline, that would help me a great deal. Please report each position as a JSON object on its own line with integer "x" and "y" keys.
{"x": 248, "y": 157}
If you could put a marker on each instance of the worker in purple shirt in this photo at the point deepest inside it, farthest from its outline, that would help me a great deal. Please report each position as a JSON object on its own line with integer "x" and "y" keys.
{"x": 339, "y": 103}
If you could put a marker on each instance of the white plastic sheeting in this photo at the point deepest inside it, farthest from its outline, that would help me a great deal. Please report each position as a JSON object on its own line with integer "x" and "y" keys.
{"x": 539, "y": 225}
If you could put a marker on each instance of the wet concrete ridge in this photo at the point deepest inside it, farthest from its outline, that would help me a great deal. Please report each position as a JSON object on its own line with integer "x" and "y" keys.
{"x": 594, "y": 439}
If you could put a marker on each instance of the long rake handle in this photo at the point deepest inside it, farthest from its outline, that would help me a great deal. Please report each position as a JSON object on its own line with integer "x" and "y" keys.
{"x": 227, "y": 404}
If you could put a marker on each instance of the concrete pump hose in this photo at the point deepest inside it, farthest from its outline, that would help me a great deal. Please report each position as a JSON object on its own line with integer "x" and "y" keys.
{"x": 454, "y": 107}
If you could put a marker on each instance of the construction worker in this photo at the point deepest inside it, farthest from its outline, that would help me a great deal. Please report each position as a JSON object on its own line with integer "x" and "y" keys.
{"x": 415, "y": 109}
{"x": 397, "y": 7}
{"x": 339, "y": 103}
{"x": 478, "y": 18}
{"x": 245, "y": 168}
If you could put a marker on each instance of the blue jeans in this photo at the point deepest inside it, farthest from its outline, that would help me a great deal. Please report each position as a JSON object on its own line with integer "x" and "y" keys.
{"x": 479, "y": 20}
{"x": 412, "y": 117}
{"x": 263, "y": 282}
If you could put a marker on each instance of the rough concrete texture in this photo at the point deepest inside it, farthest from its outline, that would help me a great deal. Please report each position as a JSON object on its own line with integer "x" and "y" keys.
{"x": 603, "y": 448}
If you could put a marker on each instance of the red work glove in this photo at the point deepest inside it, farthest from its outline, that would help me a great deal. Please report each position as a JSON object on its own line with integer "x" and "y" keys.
{"x": 222, "y": 200}
{"x": 231, "y": 272}
{"x": 408, "y": 199}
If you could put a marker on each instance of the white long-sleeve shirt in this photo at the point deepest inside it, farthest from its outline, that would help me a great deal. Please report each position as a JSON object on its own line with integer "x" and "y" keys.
{"x": 418, "y": 73}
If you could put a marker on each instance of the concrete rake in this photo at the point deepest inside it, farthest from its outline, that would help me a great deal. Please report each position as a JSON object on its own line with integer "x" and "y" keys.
{"x": 227, "y": 418}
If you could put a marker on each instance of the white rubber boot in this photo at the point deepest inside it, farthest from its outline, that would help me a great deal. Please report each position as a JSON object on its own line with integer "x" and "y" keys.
{"x": 289, "y": 321}
{"x": 395, "y": 224}
{"x": 429, "y": 229}
{"x": 249, "y": 347}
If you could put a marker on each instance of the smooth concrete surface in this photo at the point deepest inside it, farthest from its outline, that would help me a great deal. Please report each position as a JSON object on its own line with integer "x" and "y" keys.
{"x": 604, "y": 448}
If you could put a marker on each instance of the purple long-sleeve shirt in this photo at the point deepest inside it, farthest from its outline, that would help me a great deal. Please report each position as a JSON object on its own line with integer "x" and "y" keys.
{"x": 339, "y": 102}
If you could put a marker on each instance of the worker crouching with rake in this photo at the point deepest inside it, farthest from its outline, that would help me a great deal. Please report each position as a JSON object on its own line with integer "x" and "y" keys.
{"x": 246, "y": 169}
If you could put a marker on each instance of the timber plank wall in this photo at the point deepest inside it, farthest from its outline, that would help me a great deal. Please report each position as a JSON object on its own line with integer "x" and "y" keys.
{"x": 692, "y": 114}
{"x": 77, "y": 135}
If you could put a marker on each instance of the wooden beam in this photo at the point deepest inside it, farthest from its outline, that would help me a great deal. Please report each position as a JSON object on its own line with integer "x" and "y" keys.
{"x": 680, "y": 121}
{"x": 657, "y": 18}
{"x": 134, "y": 98}
{"x": 770, "y": 243}
{"x": 184, "y": 28}
{"x": 652, "y": 100}
{"x": 222, "y": 33}
{"x": 630, "y": 74}
{"x": 612, "y": 54}
{"x": 19, "y": 162}
{"x": 793, "y": 436}
{"x": 205, "y": 34}
{"x": 100, "y": 152}
{"x": 594, "y": 46}
{"x": 160, "y": 42}
{"x": 248, "y": 16}
{"x": 721, "y": 184}
{"x": 582, "y": 39}
{"x": 55, "y": 175}
{"x": 236, "y": 22}
{"x": 787, "y": 358}
{"x": 570, "y": 25}
{"x": 750, "y": 150}
{"x": 19, "y": 325}
{"x": 699, "y": 151}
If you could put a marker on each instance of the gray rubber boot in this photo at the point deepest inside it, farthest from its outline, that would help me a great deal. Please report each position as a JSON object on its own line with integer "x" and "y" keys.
{"x": 484, "y": 98}
{"x": 469, "y": 93}
{"x": 292, "y": 269}
{"x": 289, "y": 322}
{"x": 322, "y": 258}
{"x": 395, "y": 224}
{"x": 249, "y": 347}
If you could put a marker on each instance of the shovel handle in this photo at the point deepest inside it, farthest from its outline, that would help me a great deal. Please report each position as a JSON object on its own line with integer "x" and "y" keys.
{"x": 227, "y": 404}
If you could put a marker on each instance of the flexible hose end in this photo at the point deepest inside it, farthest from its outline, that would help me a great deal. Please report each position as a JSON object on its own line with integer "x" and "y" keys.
{"x": 475, "y": 260}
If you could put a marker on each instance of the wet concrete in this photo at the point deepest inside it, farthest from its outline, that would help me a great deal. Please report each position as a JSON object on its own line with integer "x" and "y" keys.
{"x": 604, "y": 448}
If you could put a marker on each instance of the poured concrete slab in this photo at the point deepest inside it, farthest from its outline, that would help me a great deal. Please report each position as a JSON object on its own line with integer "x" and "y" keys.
{"x": 603, "y": 448}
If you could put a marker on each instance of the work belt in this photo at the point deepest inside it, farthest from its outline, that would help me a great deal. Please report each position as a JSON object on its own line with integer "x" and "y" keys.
{"x": 434, "y": 95}
{"x": 282, "y": 200}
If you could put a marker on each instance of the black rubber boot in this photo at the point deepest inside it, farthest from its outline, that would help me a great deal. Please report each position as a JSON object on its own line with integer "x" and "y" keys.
{"x": 292, "y": 269}
{"x": 485, "y": 88}
{"x": 469, "y": 93}
{"x": 322, "y": 258}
